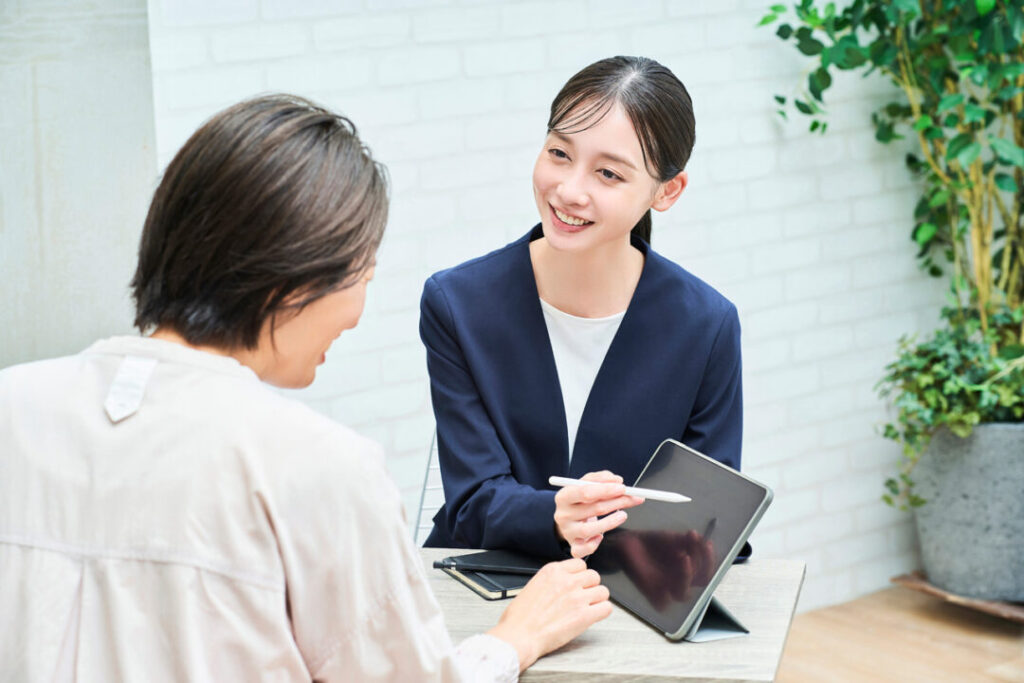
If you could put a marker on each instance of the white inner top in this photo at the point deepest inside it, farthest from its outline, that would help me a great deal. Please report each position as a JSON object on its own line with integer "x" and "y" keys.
{"x": 579, "y": 345}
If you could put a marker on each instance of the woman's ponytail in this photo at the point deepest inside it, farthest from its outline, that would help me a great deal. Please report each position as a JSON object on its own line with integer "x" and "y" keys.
{"x": 643, "y": 227}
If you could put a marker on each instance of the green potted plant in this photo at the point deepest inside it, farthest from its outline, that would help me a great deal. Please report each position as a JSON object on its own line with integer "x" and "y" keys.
{"x": 958, "y": 66}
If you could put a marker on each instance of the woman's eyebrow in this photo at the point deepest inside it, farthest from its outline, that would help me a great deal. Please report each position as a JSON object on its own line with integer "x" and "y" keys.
{"x": 603, "y": 155}
{"x": 563, "y": 137}
{"x": 617, "y": 159}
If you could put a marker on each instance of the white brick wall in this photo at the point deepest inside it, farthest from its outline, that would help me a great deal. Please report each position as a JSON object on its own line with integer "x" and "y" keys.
{"x": 76, "y": 168}
{"x": 808, "y": 235}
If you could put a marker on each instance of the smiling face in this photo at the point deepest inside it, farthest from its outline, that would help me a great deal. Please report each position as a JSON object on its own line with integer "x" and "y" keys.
{"x": 592, "y": 186}
{"x": 301, "y": 340}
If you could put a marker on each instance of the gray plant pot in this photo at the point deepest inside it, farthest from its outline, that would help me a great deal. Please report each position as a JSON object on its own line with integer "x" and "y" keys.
{"x": 972, "y": 527}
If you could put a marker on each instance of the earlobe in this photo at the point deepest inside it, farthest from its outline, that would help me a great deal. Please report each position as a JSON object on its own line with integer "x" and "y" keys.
{"x": 669, "y": 192}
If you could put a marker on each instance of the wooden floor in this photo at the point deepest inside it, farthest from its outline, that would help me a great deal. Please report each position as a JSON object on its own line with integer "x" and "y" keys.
{"x": 898, "y": 634}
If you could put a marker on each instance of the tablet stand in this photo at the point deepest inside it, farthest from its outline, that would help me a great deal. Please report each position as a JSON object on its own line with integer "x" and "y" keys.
{"x": 715, "y": 623}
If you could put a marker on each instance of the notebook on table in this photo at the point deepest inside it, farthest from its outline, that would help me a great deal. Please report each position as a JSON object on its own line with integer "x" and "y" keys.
{"x": 492, "y": 574}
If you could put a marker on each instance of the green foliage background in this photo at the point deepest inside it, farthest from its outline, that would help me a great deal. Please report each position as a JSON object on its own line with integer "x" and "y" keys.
{"x": 959, "y": 66}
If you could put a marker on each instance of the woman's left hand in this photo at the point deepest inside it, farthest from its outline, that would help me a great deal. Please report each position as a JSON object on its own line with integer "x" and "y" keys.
{"x": 583, "y": 514}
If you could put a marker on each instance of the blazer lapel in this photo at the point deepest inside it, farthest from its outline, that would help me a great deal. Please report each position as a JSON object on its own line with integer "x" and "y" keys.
{"x": 532, "y": 376}
{"x": 605, "y": 419}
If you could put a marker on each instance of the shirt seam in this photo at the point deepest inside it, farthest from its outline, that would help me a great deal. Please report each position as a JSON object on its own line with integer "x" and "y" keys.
{"x": 390, "y": 597}
{"x": 255, "y": 580}
{"x": 714, "y": 343}
{"x": 240, "y": 372}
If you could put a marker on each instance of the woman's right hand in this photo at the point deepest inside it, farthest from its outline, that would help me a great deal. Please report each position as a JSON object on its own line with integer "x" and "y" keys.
{"x": 580, "y": 511}
{"x": 560, "y": 602}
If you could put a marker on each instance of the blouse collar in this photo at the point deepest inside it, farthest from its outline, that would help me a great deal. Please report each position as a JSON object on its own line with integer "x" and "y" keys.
{"x": 170, "y": 352}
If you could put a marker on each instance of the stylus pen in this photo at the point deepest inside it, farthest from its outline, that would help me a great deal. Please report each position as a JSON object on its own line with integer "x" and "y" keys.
{"x": 649, "y": 494}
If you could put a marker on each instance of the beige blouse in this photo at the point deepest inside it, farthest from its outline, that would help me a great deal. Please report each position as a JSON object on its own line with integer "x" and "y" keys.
{"x": 164, "y": 516}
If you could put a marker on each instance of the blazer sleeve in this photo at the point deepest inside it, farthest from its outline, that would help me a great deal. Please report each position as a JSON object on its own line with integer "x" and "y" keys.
{"x": 715, "y": 427}
{"x": 485, "y": 506}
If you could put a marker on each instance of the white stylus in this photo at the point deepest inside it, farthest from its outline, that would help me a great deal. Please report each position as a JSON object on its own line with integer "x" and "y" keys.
{"x": 649, "y": 494}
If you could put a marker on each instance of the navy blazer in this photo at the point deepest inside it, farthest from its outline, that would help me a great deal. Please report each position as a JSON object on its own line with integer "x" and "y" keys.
{"x": 672, "y": 370}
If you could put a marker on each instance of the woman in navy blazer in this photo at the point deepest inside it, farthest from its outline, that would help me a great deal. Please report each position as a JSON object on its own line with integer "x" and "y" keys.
{"x": 619, "y": 136}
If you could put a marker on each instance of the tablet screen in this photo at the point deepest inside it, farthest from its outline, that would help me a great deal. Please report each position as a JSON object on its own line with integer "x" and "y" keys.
{"x": 659, "y": 563}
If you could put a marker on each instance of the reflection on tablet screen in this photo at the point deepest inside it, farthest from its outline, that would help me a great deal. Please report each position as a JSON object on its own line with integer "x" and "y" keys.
{"x": 660, "y": 562}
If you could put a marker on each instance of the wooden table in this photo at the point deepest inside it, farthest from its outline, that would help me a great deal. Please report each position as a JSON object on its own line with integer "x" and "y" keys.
{"x": 761, "y": 594}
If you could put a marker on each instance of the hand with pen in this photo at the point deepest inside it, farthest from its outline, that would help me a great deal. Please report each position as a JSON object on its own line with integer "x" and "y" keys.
{"x": 583, "y": 514}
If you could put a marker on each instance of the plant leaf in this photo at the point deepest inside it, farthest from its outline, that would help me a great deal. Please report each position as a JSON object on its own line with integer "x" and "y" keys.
{"x": 818, "y": 81}
{"x": 969, "y": 153}
{"x": 938, "y": 199}
{"x": 1005, "y": 182}
{"x": 810, "y": 46}
{"x": 979, "y": 74}
{"x": 924, "y": 233}
{"x": 957, "y": 145}
{"x": 984, "y": 6}
{"x": 1011, "y": 351}
{"x": 912, "y": 7}
{"x": 924, "y": 121}
{"x": 973, "y": 112}
{"x": 1017, "y": 26}
{"x": 949, "y": 101}
{"x": 1007, "y": 151}
{"x": 807, "y": 43}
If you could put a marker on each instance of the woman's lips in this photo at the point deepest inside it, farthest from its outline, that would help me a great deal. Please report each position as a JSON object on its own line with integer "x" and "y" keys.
{"x": 567, "y": 227}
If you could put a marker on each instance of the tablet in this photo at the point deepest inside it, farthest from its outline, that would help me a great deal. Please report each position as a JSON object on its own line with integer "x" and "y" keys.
{"x": 664, "y": 562}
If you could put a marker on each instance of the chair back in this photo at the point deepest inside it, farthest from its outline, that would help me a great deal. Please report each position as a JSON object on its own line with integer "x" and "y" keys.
{"x": 431, "y": 497}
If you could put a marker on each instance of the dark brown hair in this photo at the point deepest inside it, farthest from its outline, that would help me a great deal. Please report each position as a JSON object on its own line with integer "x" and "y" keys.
{"x": 655, "y": 101}
{"x": 272, "y": 203}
